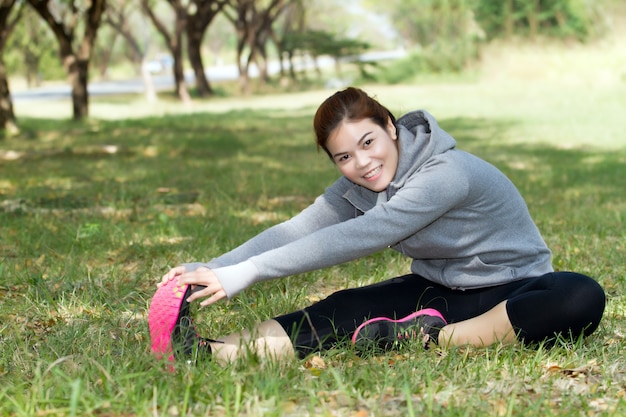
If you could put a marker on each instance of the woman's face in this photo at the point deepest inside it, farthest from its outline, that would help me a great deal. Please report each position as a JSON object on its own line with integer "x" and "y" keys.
{"x": 365, "y": 153}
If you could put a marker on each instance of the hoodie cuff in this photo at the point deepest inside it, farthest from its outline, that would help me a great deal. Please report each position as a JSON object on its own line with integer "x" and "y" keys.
{"x": 236, "y": 278}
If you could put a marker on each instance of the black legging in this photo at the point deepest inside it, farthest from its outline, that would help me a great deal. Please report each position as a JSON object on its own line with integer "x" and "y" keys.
{"x": 540, "y": 308}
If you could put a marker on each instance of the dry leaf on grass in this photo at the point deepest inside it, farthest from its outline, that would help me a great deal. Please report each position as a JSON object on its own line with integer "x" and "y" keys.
{"x": 580, "y": 371}
{"x": 580, "y": 380}
{"x": 315, "y": 365}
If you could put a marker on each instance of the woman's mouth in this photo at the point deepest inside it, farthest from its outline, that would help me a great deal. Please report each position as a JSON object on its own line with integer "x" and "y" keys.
{"x": 371, "y": 175}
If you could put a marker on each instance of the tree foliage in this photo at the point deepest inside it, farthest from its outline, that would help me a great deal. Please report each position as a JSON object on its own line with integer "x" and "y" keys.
{"x": 530, "y": 18}
{"x": 423, "y": 21}
{"x": 446, "y": 35}
{"x": 32, "y": 50}
{"x": 318, "y": 43}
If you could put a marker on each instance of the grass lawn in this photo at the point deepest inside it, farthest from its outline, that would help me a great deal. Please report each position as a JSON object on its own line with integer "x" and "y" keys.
{"x": 92, "y": 213}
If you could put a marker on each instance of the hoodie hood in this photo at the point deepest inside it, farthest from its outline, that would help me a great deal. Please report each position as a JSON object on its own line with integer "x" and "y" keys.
{"x": 419, "y": 139}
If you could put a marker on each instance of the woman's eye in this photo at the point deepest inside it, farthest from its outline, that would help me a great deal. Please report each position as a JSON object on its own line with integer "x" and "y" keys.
{"x": 368, "y": 142}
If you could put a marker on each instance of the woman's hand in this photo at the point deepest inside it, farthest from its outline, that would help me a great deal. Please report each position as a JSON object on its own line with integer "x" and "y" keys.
{"x": 202, "y": 276}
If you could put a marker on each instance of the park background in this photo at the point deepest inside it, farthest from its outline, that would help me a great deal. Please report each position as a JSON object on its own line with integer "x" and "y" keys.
{"x": 101, "y": 193}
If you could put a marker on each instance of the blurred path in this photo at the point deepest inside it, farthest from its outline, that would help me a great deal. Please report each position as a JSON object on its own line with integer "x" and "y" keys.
{"x": 166, "y": 81}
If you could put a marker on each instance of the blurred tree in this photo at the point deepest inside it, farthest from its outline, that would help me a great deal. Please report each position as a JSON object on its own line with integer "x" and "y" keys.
{"x": 8, "y": 20}
{"x": 200, "y": 14}
{"x": 309, "y": 30}
{"x": 287, "y": 36}
{"x": 253, "y": 21}
{"x": 316, "y": 43}
{"x": 63, "y": 18}
{"x": 117, "y": 16}
{"x": 173, "y": 40}
{"x": 192, "y": 18}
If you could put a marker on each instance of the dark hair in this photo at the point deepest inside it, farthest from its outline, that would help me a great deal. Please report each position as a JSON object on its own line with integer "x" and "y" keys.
{"x": 352, "y": 104}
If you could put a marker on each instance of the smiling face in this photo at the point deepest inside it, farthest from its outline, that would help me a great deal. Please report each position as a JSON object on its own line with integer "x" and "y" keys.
{"x": 365, "y": 152}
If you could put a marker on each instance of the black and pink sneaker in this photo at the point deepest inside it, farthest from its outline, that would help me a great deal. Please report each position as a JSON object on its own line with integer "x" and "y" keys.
{"x": 423, "y": 325}
{"x": 172, "y": 332}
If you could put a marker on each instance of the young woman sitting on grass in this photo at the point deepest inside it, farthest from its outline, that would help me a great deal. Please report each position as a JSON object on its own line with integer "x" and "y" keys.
{"x": 480, "y": 274}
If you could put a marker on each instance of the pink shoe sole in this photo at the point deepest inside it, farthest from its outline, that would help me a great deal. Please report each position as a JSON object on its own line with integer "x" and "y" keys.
{"x": 163, "y": 316}
{"x": 424, "y": 312}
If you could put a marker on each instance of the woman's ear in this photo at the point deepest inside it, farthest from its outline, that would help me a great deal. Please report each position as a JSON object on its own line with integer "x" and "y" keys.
{"x": 392, "y": 129}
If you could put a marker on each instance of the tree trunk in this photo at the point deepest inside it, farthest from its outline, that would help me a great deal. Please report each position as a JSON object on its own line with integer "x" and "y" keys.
{"x": 116, "y": 18}
{"x": 244, "y": 79}
{"x": 246, "y": 88}
{"x": 179, "y": 74}
{"x": 173, "y": 43}
{"x": 292, "y": 66}
{"x": 509, "y": 19}
{"x": 7, "y": 117}
{"x": 533, "y": 11}
{"x": 151, "y": 95}
{"x": 78, "y": 76}
{"x": 75, "y": 62}
{"x": 31, "y": 61}
{"x": 197, "y": 24}
{"x": 195, "y": 59}
{"x": 8, "y": 122}
{"x": 262, "y": 63}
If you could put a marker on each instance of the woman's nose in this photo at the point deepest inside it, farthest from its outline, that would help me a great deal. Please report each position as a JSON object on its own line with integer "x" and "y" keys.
{"x": 361, "y": 160}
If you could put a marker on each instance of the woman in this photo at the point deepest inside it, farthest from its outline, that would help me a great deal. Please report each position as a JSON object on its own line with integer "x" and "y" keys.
{"x": 481, "y": 272}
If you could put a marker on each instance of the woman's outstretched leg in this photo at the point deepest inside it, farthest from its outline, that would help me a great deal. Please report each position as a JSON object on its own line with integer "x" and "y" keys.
{"x": 266, "y": 340}
{"x": 533, "y": 310}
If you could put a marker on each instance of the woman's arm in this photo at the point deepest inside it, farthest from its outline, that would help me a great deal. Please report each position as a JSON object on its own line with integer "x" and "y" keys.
{"x": 327, "y": 209}
{"x": 413, "y": 208}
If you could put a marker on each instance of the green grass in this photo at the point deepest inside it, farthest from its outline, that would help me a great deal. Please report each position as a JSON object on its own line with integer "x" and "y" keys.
{"x": 92, "y": 213}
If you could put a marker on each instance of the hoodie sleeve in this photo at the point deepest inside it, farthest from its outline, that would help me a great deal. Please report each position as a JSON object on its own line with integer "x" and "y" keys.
{"x": 327, "y": 209}
{"x": 419, "y": 203}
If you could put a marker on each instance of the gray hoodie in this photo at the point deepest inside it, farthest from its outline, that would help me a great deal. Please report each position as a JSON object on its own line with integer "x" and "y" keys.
{"x": 459, "y": 218}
